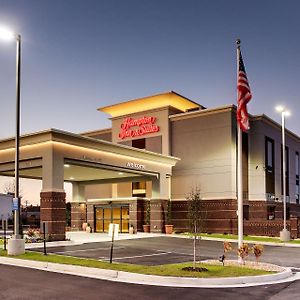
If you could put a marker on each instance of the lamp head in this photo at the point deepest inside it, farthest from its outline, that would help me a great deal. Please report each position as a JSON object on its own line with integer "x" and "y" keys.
{"x": 6, "y": 34}
{"x": 279, "y": 108}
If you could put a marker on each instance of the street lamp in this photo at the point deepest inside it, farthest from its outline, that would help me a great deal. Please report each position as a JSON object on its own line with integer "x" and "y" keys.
{"x": 16, "y": 244}
{"x": 284, "y": 234}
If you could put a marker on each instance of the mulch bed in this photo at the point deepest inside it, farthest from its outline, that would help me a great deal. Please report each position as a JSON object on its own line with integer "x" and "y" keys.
{"x": 197, "y": 269}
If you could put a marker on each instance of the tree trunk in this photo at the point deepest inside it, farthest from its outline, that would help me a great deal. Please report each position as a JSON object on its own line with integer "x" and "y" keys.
{"x": 195, "y": 237}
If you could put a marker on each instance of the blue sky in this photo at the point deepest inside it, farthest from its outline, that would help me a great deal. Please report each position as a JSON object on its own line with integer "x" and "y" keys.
{"x": 81, "y": 55}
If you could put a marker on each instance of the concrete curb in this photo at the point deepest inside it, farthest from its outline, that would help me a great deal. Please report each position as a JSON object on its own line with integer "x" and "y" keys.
{"x": 207, "y": 238}
{"x": 120, "y": 276}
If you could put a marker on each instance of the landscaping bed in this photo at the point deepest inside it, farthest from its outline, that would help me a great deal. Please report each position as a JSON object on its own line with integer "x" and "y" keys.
{"x": 215, "y": 269}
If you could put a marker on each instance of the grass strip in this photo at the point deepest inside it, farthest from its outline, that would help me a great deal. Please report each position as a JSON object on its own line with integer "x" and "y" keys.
{"x": 214, "y": 271}
{"x": 248, "y": 238}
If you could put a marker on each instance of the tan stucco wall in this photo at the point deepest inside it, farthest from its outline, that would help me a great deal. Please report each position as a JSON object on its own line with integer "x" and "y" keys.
{"x": 259, "y": 130}
{"x": 162, "y": 121}
{"x": 206, "y": 146}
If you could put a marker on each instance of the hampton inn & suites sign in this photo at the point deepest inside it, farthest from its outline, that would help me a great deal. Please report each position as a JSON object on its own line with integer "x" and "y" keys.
{"x": 138, "y": 127}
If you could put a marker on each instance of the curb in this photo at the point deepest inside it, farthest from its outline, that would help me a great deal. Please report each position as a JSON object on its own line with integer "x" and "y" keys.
{"x": 126, "y": 277}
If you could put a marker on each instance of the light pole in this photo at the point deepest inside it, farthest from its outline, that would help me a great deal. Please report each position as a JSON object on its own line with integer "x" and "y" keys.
{"x": 16, "y": 244}
{"x": 284, "y": 234}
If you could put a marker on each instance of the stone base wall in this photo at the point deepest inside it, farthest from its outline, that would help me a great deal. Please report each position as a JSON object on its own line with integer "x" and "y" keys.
{"x": 158, "y": 212}
{"x": 137, "y": 209}
{"x": 53, "y": 211}
{"x": 78, "y": 216}
{"x": 90, "y": 216}
{"x": 220, "y": 217}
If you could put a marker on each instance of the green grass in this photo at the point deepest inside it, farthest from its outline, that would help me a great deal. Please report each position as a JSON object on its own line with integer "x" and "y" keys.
{"x": 163, "y": 270}
{"x": 248, "y": 238}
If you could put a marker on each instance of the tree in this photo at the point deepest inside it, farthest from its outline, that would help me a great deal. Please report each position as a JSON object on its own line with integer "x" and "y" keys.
{"x": 10, "y": 188}
{"x": 195, "y": 217}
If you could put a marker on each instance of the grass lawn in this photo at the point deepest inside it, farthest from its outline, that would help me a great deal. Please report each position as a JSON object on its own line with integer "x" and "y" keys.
{"x": 248, "y": 238}
{"x": 164, "y": 270}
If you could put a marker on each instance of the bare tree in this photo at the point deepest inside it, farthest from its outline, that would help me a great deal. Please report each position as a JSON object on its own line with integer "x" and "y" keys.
{"x": 195, "y": 216}
{"x": 10, "y": 188}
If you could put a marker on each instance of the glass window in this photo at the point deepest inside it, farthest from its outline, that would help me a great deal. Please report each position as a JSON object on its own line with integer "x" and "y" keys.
{"x": 269, "y": 166}
{"x": 297, "y": 164}
{"x": 270, "y": 155}
{"x": 139, "y": 143}
{"x": 246, "y": 212}
{"x": 270, "y": 212}
{"x": 139, "y": 189}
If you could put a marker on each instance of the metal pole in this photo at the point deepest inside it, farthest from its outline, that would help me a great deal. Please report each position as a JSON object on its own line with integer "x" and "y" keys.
{"x": 112, "y": 243}
{"x": 239, "y": 169}
{"x": 17, "y": 139}
{"x": 240, "y": 190}
{"x": 4, "y": 232}
{"x": 283, "y": 169}
{"x": 44, "y": 230}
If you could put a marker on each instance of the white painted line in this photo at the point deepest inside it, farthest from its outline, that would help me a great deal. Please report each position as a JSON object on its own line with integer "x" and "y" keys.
{"x": 85, "y": 250}
{"x": 139, "y": 256}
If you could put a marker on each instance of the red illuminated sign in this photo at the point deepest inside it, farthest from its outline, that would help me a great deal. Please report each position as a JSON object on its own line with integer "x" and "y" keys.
{"x": 138, "y": 127}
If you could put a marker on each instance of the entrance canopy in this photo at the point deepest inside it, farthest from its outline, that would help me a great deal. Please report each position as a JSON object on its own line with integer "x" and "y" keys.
{"x": 56, "y": 156}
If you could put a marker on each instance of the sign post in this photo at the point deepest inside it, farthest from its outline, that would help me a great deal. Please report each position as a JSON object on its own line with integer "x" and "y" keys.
{"x": 44, "y": 230}
{"x": 4, "y": 227}
{"x": 113, "y": 233}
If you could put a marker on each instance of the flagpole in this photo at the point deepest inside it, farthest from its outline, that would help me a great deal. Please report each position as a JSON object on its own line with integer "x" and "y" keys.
{"x": 239, "y": 168}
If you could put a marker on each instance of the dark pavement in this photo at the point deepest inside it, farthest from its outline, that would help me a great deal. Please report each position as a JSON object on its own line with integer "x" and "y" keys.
{"x": 163, "y": 250}
{"x": 26, "y": 284}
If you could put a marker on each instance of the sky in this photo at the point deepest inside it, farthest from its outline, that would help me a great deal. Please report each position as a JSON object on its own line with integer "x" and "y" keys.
{"x": 79, "y": 55}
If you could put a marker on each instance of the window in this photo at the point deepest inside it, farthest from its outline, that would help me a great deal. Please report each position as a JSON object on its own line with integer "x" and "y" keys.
{"x": 270, "y": 212}
{"x": 297, "y": 177}
{"x": 246, "y": 212}
{"x": 286, "y": 171}
{"x": 269, "y": 165}
{"x": 139, "y": 143}
{"x": 139, "y": 189}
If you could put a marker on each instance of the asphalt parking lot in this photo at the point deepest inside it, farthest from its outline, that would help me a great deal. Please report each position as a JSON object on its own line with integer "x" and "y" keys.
{"x": 166, "y": 249}
{"x": 144, "y": 251}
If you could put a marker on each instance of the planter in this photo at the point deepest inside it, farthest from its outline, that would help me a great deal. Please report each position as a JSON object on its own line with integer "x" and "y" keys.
{"x": 131, "y": 230}
{"x": 146, "y": 228}
{"x": 169, "y": 229}
{"x": 84, "y": 226}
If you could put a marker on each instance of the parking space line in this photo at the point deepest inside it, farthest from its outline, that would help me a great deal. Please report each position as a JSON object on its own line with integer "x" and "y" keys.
{"x": 85, "y": 250}
{"x": 138, "y": 256}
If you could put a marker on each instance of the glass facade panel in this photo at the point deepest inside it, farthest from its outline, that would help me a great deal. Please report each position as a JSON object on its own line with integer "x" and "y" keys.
{"x": 112, "y": 214}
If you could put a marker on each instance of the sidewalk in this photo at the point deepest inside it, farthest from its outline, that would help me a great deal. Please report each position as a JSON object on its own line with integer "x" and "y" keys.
{"x": 81, "y": 237}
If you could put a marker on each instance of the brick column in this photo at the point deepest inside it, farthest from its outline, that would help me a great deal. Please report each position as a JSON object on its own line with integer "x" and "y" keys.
{"x": 90, "y": 216}
{"x": 78, "y": 215}
{"x": 53, "y": 211}
{"x": 158, "y": 210}
{"x": 294, "y": 227}
{"x": 136, "y": 214}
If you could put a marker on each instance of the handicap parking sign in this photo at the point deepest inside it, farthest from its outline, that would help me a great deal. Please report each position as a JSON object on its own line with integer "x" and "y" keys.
{"x": 15, "y": 204}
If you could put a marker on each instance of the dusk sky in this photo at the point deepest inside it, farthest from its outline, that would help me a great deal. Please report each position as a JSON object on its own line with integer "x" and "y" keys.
{"x": 81, "y": 55}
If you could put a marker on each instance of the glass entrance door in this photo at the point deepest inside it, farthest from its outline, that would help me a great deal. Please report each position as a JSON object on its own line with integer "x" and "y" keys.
{"x": 117, "y": 214}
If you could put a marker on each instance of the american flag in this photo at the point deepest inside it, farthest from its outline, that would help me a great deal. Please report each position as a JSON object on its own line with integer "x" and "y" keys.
{"x": 244, "y": 96}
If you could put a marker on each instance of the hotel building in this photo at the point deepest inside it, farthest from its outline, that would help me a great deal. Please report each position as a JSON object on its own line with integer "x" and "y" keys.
{"x": 158, "y": 149}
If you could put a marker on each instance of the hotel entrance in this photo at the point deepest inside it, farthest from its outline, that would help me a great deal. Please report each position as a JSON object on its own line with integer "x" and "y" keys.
{"x": 117, "y": 214}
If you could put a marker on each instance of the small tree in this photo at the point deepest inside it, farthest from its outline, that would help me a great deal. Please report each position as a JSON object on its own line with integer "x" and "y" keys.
{"x": 169, "y": 213}
{"x": 258, "y": 251}
{"x": 195, "y": 216}
{"x": 148, "y": 213}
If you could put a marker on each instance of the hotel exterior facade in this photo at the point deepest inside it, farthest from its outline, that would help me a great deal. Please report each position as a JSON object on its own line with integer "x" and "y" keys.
{"x": 159, "y": 149}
